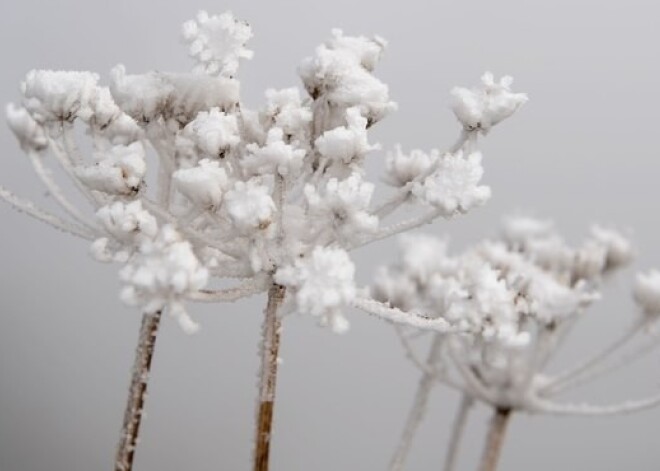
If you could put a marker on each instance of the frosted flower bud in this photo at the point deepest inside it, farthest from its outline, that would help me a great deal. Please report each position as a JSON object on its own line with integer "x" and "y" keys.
{"x": 367, "y": 52}
{"x": 217, "y": 43}
{"x": 51, "y": 95}
{"x": 285, "y": 109}
{"x": 646, "y": 292}
{"x": 128, "y": 222}
{"x": 147, "y": 96}
{"x": 30, "y": 134}
{"x": 404, "y": 168}
{"x": 590, "y": 261}
{"x": 104, "y": 108}
{"x": 249, "y": 206}
{"x": 394, "y": 287}
{"x": 344, "y": 205}
{"x": 482, "y": 108}
{"x": 423, "y": 255}
{"x": 322, "y": 283}
{"x": 162, "y": 274}
{"x": 204, "y": 184}
{"x": 519, "y": 230}
{"x": 214, "y": 132}
{"x": 274, "y": 157}
{"x": 347, "y": 143}
{"x": 618, "y": 248}
{"x": 454, "y": 185}
{"x": 119, "y": 170}
{"x": 345, "y": 83}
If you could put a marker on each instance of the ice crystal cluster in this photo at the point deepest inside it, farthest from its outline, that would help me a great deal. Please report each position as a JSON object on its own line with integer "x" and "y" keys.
{"x": 277, "y": 194}
{"x": 512, "y": 300}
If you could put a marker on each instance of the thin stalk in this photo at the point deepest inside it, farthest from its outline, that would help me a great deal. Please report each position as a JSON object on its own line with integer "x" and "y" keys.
{"x": 417, "y": 411}
{"x": 137, "y": 392}
{"x": 457, "y": 432}
{"x": 495, "y": 440}
{"x": 267, "y": 381}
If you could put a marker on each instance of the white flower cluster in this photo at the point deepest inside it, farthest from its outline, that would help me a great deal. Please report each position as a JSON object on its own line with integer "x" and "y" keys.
{"x": 278, "y": 193}
{"x": 511, "y": 299}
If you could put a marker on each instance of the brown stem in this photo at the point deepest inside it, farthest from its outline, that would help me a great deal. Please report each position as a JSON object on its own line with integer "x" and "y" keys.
{"x": 137, "y": 392}
{"x": 495, "y": 439}
{"x": 269, "y": 353}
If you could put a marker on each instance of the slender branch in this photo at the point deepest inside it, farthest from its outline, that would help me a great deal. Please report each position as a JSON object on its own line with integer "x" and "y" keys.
{"x": 495, "y": 440}
{"x": 27, "y": 207}
{"x": 563, "y": 379}
{"x": 247, "y": 288}
{"x": 137, "y": 392}
{"x": 397, "y": 316}
{"x": 458, "y": 428}
{"x": 268, "y": 376}
{"x": 400, "y": 227}
{"x": 417, "y": 411}
{"x": 628, "y": 407}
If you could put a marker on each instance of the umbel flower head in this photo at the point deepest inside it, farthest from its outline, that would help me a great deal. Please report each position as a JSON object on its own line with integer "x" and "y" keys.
{"x": 511, "y": 301}
{"x": 278, "y": 194}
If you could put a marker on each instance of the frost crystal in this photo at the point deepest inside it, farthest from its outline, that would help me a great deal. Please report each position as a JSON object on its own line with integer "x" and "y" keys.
{"x": 484, "y": 107}
{"x": 217, "y": 43}
{"x": 323, "y": 285}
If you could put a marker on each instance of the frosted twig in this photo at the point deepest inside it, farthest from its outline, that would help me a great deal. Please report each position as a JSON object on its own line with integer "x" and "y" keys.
{"x": 458, "y": 427}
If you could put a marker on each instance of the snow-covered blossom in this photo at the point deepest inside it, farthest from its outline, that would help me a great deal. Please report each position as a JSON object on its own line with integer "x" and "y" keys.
{"x": 287, "y": 112}
{"x": 214, "y": 132}
{"x": 203, "y": 184}
{"x": 323, "y": 284}
{"x": 482, "y": 108}
{"x": 128, "y": 226}
{"x": 250, "y": 206}
{"x": 172, "y": 96}
{"x": 618, "y": 248}
{"x": 274, "y": 157}
{"x": 119, "y": 170}
{"x": 162, "y": 274}
{"x": 343, "y": 206}
{"x": 454, "y": 186}
{"x": 346, "y": 144}
{"x": 646, "y": 292}
{"x": 520, "y": 230}
{"x": 340, "y": 74}
{"x": 404, "y": 168}
{"x": 217, "y": 42}
{"x": 29, "y": 133}
{"x": 51, "y": 95}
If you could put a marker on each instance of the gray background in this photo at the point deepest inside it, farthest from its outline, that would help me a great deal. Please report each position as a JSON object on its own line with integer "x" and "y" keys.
{"x": 583, "y": 149}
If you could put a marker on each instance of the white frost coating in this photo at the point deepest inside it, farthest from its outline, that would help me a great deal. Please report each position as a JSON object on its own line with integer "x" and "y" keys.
{"x": 348, "y": 143}
{"x": 343, "y": 206}
{"x": 162, "y": 274}
{"x": 618, "y": 248}
{"x": 482, "y": 108}
{"x": 404, "y": 168}
{"x": 275, "y": 156}
{"x": 217, "y": 43}
{"x": 286, "y": 110}
{"x": 337, "y": 74}
{"x": 367, "y": 52}
{"x": 454, "y": 185}
{"x": 128, "y": 225}
{"x": 204, "y": 184}
{"x": 29, "y": 133}
{"x": 646, "y": 292}
{"x": 249, "y": 206}
{"x": 520, "y": 230}
{"x": 181, "y": 97}
{"x": 119, "y": 170}
{"x": 323, "y": 284}
{"x": 214, "y": 132}
{"x": 53, "y": 95}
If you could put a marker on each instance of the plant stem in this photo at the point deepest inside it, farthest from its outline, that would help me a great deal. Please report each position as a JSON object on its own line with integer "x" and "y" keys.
{"x": 417, "y": 411}
{"x": 495, "y": 439}
{"x": 457, "y": 432}
{"x": 268, "y": 376}
{"x": 137, "y": 392}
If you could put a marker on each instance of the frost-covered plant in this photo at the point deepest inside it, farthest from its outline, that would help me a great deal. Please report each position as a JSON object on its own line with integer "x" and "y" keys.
{"x": 513, "y": 300}
{"x": 274, "y": 197}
